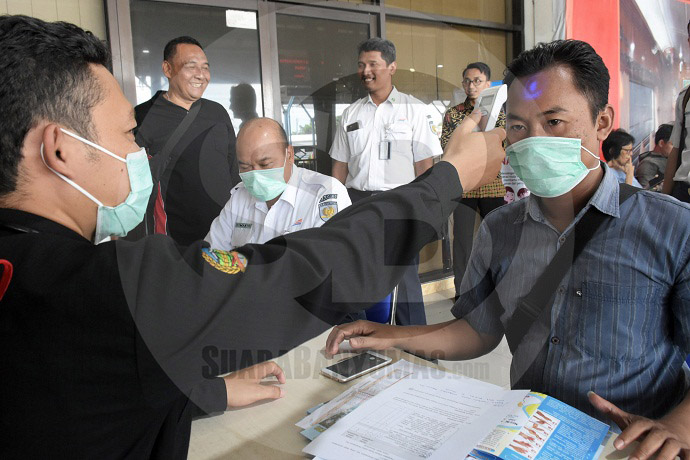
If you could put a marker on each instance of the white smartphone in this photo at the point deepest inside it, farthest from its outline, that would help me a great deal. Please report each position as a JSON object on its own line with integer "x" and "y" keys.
{"x": 355, "y": 366}
{"x": 489, "y": 103}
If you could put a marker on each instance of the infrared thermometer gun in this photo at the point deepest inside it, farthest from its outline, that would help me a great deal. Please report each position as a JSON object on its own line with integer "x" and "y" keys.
{"x": 489, "y": 103}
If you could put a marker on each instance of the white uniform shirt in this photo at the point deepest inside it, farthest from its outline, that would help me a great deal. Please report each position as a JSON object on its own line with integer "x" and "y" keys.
{"x": 401, "y": 127}
{"x": 309, "y": 200}
{"x": 683, "y": 173}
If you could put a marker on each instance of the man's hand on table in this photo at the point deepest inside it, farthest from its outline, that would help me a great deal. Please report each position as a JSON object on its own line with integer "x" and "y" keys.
{"x": 665, "y": 438}
{"x": 476, "y": 155}
{"x": 369, "y": 336}
{"x": 245, "y": 387}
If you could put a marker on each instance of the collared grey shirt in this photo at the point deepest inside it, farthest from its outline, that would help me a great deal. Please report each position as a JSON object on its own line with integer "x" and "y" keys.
{"x": 653, "y": 165}
{"x": 620, "y": 322}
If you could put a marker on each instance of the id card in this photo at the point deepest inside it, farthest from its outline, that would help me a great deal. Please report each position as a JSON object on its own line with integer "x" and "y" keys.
{"x": 385, "y": 150}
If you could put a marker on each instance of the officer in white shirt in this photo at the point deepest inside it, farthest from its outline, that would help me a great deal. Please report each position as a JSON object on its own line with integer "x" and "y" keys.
{"x": 275, "y": 196}
{"x": 386, "y": 139}
{"x": 383, "y": 141}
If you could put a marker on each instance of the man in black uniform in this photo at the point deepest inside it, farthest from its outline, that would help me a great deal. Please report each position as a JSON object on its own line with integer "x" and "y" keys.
{"x": 192, "y": 144}
{"x": 108, "y": 350}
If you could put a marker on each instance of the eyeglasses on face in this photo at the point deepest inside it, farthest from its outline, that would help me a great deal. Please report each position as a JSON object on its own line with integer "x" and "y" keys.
{"x": 477, "y": 81}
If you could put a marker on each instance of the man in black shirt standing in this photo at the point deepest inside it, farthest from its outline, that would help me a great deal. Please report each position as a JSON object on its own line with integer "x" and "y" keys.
{"x": 192, "y": 144}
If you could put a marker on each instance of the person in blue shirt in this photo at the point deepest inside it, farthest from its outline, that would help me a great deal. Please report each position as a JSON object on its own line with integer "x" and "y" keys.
{"x": 617, "y": 149}
{"x": 612, "y": 339}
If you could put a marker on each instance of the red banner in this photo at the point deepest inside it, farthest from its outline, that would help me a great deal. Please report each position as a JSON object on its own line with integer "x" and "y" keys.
{"x": 598, "y": 23}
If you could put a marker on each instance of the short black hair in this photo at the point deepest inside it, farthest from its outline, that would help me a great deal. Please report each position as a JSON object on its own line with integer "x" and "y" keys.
{"x": 480, "y": 66}
{"x": 385, "y": 47}
{"x": 44, "y": 75}
{"x": 171, "y": 47}
{"x": 589, "y": 72}
{"x": 611, "y": 147}
{"x": 663, "y": 133}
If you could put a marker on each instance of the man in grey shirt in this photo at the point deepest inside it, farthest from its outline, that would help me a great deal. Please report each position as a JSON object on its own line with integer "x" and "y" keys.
{"x": 652, "y": 165}
{"x": 618, "y": 322}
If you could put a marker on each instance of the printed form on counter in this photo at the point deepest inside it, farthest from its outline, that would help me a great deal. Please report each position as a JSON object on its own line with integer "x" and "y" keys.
{"x": 424, "y": 416}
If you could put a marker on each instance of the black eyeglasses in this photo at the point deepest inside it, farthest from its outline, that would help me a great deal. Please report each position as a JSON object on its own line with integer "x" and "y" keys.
{"x": 477, "y": 81}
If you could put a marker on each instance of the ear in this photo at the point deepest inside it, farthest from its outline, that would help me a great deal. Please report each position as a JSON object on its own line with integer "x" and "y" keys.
{"x": 59, "y": 150}
{"x": 393, "y": 67}
{"x": 290, "y": 155}
{"x": 605, "y": 122}
{"x": 167, "y": 69}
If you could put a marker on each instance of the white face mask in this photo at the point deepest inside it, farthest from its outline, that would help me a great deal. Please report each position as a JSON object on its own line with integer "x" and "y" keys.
{"x": 118, "y": 220}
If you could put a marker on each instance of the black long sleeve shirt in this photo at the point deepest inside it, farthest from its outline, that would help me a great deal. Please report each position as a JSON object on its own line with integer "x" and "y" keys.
{"x": 108, "y": 350}
{"x": 203, "y": 166}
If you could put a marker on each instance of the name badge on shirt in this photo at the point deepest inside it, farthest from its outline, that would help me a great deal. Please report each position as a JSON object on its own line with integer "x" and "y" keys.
{"x": 385, "y": 149}
{"x": 352, "y": 127}
{"x": 246, "y": 225}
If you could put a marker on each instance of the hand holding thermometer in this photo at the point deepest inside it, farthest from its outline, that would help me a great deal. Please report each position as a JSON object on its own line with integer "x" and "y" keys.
{"x": 489, "y": 103}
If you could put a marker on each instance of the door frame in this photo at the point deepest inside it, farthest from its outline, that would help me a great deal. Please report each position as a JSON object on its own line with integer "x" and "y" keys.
{"x": 119, "y": 30}
{"x": 119, "y": 25}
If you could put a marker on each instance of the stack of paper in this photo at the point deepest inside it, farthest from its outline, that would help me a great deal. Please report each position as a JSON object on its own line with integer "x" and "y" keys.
{"x": 325, "y": 415}
{"x": 407, "y": 411}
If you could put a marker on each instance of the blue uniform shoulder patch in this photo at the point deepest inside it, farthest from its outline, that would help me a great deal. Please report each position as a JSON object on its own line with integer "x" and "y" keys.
{"x": 327, "y": 209}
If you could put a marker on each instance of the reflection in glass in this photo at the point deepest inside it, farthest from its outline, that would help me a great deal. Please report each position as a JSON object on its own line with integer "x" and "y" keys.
{"x": 243, "y": 102}
{"x": 230, "y": 40}
{"x": 641, "y": 121}
{"x": 318, "y": 79}
{"x": 431, "y": 58}
{"x": 486, "y": 10}
{"x": 653, "y": 65}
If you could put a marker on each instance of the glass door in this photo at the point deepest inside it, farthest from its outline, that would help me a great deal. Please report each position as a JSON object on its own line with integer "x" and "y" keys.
{"x": 317, "y": 64}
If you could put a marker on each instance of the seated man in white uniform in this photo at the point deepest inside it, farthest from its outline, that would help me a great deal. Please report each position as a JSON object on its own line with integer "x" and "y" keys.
{"x": 275, "y": 196}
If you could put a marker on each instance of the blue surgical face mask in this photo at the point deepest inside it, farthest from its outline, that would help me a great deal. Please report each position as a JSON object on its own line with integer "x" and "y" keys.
{"x": 265, "y": 184}
{"x": 120, "y": 219}
{"x": 549, "y": 166}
